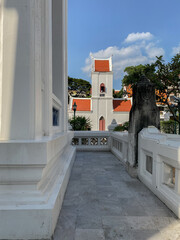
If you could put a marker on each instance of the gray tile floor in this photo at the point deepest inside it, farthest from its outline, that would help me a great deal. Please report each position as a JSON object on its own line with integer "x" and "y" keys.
{"x": 103, "y": 202}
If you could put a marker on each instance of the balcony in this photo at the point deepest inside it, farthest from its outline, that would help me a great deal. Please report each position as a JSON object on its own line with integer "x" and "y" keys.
{"x": 103, "y": 202}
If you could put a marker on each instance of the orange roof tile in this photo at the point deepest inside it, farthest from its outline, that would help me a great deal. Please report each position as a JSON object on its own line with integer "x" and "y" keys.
{"x": 82, "y": 104}
{"x": 121, "y": 105}
{"x": 102, "y": 66}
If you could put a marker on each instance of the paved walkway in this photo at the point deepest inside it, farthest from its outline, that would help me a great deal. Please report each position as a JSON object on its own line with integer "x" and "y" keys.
{"x": 103, "y": 202}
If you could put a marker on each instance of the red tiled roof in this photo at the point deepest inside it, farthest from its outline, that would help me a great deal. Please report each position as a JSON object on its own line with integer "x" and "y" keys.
{"x": 102, "y": 66}
{"x": 121, "y": 105}
{"x": 82, "y": 104}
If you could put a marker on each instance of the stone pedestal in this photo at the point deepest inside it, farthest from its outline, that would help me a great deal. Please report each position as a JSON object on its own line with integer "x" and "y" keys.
{"x": 112, "y": 126}
{"x": 144, "y": 113}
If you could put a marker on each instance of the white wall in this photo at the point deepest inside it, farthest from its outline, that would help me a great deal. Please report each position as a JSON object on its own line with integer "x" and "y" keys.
{"x": 59, "y": 59}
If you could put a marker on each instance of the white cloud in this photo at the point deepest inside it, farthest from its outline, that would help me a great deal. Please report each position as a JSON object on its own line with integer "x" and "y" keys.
{"x": 153, "y": 51}
{"x": 134, "y": 54}
{"x": 133, "y": 37}
{"x": 176, "y": 50}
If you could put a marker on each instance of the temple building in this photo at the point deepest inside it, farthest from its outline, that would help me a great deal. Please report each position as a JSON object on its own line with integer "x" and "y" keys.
{"x": 102, "y": 108}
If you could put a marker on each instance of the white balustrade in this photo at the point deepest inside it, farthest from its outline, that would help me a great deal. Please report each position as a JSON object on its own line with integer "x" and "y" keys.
{"x": 159, "y": 165}
{"x": 91, "y": 140}
{"x": 119, "y": 145}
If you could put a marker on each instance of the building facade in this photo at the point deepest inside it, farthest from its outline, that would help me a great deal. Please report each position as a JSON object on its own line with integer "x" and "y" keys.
{"x": 36, "y": 153}
{"x": 101, "y": 108}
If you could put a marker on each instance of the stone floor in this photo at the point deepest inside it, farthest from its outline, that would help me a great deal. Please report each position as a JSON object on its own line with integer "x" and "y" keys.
{"x": 103, "y": 202}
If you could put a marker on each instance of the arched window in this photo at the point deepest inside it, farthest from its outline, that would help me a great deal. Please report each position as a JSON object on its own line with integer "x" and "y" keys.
{"x": 102, "y": 88}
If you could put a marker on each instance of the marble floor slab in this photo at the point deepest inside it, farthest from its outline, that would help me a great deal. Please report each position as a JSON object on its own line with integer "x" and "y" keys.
{"x": 102, "y": 202}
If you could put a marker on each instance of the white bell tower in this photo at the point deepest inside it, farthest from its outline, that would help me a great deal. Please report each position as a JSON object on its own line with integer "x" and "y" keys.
{"x": 102, "y": 91}
{"x": 102, "y": 77}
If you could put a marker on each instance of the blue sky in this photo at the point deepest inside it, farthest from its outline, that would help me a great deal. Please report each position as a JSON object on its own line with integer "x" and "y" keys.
{"x": 133, "y": 31}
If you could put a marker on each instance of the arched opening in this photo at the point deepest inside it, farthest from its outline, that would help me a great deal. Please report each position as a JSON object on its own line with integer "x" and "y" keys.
{"x": 102, "y": 88}
{"x": 102, "y": 124}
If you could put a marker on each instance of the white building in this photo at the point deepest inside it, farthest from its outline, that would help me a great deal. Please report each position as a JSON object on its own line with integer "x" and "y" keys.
{"x": 35, "y": 152}
{"x": 101, "y": 108}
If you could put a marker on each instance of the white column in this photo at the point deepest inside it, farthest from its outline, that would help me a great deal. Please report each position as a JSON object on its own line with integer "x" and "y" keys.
{"x": 65, "y": 66}
{"x": 47, "y": 77}
{"x": 35, "y": 167}
{"x": 21, "y": 104}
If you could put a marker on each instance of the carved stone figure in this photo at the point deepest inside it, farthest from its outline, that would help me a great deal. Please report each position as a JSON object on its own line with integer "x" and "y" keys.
{"x": 144, "y": 113}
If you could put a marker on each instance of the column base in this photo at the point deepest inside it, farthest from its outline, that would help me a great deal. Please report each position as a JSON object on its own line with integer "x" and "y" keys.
{"x": 132, "y": 171}
{"x": 32, "y": 195}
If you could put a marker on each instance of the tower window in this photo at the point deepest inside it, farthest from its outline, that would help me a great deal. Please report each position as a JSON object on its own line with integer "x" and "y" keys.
{"x": 102, "y": 88}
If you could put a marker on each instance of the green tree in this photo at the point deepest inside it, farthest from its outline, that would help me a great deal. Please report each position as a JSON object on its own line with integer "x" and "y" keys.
{"x": 166, "y": 80}
{"x": 80, "y": 123}
{"x": 169, "y": 126}
{"x": 165, "y": 77}
{"x": 80, "y": 86}
{"x": 133, "y": 73}
{"x": 118, "y": 94}
{"x": 122, "y": 127}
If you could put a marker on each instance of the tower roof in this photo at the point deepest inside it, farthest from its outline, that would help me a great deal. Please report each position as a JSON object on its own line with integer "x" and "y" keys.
{"x": 102, "y": 66}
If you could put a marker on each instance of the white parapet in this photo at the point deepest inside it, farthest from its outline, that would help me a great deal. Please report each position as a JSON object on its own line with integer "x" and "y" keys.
{"x": 33, "y": 180}
{"x": 92, "y": 140}
{"x": 119, "y": 145}
{"x": 159, "y": 165}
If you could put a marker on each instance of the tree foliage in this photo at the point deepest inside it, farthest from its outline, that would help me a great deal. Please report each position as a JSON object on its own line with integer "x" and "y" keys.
{"x": 80, "y": 86}
{"x": 80, "y": 123}
{"x": 118, "y": 94}
{"x": 165, "y": 77}
{"x": 169, "y": 127}
{"x": 133, "y": 73}
{"x": 122, "y": 127}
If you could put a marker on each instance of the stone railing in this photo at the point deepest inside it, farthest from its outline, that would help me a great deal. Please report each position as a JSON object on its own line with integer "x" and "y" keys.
{"x": 117, "y": 142}
{"x": 92, "y": 140}
{"x": 159, "y": 165}
{"x": 119, "y": 145}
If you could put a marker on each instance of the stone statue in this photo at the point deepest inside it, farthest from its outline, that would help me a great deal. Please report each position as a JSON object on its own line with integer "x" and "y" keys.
{"x": 144, "y": 113}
